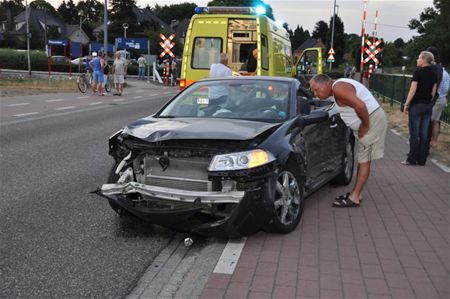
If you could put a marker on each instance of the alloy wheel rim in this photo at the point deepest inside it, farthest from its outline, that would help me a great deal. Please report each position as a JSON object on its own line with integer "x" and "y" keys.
{"x": 288, "y": 196}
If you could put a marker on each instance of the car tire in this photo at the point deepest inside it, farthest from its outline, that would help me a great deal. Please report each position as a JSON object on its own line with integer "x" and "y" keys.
{"x": 348, "y": 157}
{"x": 288, "y": 202}
{"x": 112, "y": 178}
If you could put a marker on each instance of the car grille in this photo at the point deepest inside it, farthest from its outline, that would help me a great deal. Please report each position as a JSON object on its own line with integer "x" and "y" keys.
{"x": 181, "y": 173}
{"x": 178, "y": 183}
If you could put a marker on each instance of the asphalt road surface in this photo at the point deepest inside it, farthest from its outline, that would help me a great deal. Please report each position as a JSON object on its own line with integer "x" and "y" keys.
{"x": 56, "y": 239}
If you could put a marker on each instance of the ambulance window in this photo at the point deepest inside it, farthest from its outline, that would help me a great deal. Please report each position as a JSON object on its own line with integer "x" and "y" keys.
{"x": 206, "y": 50}
{"x": 264, "y": 52}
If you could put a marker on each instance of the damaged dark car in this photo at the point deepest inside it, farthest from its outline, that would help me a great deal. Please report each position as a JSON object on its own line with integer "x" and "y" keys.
{"x": 228, "y": 157}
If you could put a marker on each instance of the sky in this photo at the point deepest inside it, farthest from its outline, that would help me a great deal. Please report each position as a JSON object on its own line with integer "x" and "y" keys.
{"x": 393, "y": 15}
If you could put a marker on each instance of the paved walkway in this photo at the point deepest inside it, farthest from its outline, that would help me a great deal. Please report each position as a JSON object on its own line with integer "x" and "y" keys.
{"x": 396, "y": 245}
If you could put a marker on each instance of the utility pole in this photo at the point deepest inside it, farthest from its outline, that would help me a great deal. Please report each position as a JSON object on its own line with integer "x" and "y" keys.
{"x": 332, "y": 30}
{"x": 27, "y": 12}
{"x": 105, "y": 27}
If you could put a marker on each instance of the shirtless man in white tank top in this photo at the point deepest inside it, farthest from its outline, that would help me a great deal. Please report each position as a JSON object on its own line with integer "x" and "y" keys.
{"x": 361, "y": 112}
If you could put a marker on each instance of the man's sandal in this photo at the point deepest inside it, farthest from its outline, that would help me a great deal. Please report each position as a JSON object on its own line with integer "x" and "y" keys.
{"x": 344, "y": 196}
{"x": 345, "y": 202}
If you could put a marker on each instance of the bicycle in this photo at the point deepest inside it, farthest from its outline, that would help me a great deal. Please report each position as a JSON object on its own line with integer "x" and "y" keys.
{"x": 108, "y": 83}
{"x": 84, "y": 82}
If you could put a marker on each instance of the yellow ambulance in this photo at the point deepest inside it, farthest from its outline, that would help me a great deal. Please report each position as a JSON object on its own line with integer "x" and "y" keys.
{"x": 237, "y": 31}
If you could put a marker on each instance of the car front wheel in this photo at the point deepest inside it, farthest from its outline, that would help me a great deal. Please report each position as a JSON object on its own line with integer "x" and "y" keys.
{"x": 288, "y": 202}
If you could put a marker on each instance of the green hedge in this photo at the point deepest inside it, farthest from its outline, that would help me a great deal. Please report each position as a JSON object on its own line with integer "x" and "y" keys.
{"x": 17, "y": 60}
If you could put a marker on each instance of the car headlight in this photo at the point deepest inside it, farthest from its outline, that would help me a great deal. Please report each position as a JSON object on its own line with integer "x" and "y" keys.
{"x": 241, "y": 160}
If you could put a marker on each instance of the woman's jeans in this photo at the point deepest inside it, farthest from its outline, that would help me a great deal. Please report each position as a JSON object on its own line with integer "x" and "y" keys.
{"x": 141, "y": 74}
{"x": 419, "y": 133}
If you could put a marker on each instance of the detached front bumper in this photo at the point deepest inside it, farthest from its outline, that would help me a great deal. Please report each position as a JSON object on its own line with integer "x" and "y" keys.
{"x": 185, "y": 210}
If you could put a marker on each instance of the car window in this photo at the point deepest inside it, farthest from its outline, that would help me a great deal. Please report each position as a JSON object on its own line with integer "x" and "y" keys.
{"x": 253, "y": 100}
{"x": 206, "y": 51}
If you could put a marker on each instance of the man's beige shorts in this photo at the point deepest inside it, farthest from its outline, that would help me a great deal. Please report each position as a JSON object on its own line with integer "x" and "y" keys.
{"x": 119, "y": 79}
{"x": 438, "y": 108}
{"x": 371, "y": 146}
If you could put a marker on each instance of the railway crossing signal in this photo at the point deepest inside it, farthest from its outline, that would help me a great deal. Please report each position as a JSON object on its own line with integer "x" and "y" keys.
{"x": 372, "y": 50}
{"x": 167, "y": 44}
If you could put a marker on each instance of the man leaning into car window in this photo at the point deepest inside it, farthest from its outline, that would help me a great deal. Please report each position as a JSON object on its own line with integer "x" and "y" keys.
{"x": 361, "y": 112}
{"x": 218, "y": 95}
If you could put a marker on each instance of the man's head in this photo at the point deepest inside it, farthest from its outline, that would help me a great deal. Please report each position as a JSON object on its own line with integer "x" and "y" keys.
{"x": 321, "y": 86}
{"x": 118, "y": 55}
{"x": 435, "y": 53}
{"x": 223, "y": 58}
{"x": 425, "y": 58}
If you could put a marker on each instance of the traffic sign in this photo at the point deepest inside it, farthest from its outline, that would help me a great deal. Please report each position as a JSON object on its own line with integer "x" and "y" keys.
{"x": 331, "y": 52}
{"x": 330, "y": 58}
{"x": 372, "y": 50}
{"x": 167, "y": 45}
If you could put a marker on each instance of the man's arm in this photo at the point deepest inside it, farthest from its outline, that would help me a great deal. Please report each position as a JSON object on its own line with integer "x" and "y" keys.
{"x": 345, "y": 94}
{"x": 411, "y": 93}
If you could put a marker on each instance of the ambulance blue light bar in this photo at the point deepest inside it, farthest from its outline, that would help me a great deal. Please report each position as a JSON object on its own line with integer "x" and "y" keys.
{"x": 260, "y": 10}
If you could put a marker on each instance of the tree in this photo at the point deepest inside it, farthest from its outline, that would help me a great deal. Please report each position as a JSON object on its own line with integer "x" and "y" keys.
{"x": 250, "y": 3}
{"x": 122, "y": 12}
{"x": 433, "y": 26}
{"x": 320, "y": 31}
{"x": 92, "y": 11}
{"x": 392, "y": 55}
{"x": 68, "y": 12}
{"x": 45, "y": 6}
{"x": 299, "y": 36}
{"x": 338, "y": 40}
{"x": 10, "y": 9}
{"x": 399, "y": 43}
{"x": 167, "y": 13}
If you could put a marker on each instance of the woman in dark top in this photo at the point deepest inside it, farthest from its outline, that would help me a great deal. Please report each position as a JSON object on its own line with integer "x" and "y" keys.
{"x": 252, "y": 61}
{"x": 418, "y": 106}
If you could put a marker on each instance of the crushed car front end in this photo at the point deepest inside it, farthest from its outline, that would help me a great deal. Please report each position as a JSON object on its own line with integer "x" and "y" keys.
{"x": 189, "y": 185}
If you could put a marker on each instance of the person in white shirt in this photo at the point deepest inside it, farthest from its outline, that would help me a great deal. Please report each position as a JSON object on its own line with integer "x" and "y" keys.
{"x": 221, "y": 69}
{"x": 119, "y": 71}
{"x": 361, "y": 112}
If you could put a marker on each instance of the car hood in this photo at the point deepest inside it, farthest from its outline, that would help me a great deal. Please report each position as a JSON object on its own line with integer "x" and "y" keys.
{"x": 157, "y": 129}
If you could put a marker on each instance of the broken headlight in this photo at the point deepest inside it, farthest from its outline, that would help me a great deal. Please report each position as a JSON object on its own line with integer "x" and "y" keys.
{"x": 241, "y": 160}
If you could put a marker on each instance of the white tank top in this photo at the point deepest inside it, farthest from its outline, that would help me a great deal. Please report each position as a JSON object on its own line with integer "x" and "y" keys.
{"x": 348, "y": 114}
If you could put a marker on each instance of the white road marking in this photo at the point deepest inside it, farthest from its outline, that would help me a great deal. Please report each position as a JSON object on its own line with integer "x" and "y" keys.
{"x": 18, "y": 104}
{"x": 137, "y": 97}
{"x": 85, "y": 97}
{"x": 65, "y": 108}
{"x": 55, "y": 100}
{"x": 230, "y": 256}
{"x": 119, "y": 100}
{"x": 167, "y": 92}
{"x": 139, "y": 90}
{"x": 26, "y": 114}
{"x": 95, "y": 103}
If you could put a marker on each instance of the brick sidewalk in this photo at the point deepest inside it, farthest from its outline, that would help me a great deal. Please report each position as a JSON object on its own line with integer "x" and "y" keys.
{"x": 396, "y": 245}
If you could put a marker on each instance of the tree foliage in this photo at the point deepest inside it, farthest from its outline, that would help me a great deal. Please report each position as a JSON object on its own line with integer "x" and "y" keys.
{"x": 68, "y": 12}
{"x": 433, "y": 26}
{"x": 122, "y": 12}
{"x": 248, "y": 3}
{"x": 44, "y": 6}
{"x": 320, "y": 31}
{"x": 10, "y": 9}
{"x": 298, "y": 37}
{"x": 167, "y": 13}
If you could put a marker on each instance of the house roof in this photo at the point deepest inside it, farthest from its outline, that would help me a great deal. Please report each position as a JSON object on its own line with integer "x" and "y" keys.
{"x": 144, "y": 14}
{"x": 37, "y": 14}
{"x": 310, "y": 43}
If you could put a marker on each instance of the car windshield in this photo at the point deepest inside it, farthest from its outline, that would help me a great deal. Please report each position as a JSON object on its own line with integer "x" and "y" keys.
{"x": 263, "y": 100}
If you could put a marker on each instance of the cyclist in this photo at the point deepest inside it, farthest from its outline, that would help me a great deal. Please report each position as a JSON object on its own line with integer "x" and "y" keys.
{"x": 98, "y": 64}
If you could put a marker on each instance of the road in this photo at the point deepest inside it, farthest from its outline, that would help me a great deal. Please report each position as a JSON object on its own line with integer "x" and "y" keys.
{"x": 57, "y": 239}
